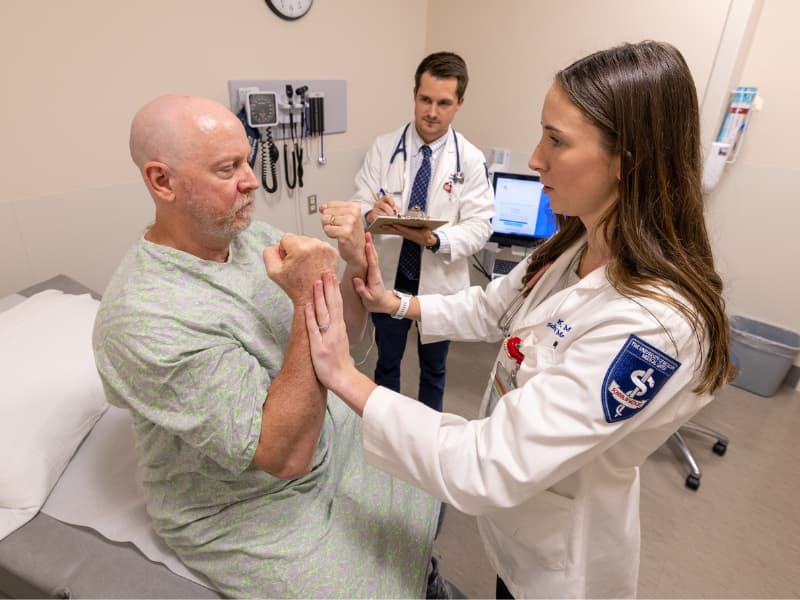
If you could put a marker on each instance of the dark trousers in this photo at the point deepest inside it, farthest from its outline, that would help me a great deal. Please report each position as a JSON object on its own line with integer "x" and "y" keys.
{"x": 390, "y": 337}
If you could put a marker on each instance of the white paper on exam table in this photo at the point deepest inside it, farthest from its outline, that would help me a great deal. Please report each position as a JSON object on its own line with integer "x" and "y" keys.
{"x": 98, "y": 490}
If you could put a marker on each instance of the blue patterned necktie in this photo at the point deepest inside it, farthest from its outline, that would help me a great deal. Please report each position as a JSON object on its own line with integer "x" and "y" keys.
{"x": 410, "y": 253}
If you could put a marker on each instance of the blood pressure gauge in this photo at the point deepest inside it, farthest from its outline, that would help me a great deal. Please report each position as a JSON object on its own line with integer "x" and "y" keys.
{"x": 261, "y": 109}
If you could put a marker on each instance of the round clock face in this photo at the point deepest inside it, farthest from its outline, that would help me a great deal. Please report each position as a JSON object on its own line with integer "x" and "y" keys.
{"x": 289, "y": 9}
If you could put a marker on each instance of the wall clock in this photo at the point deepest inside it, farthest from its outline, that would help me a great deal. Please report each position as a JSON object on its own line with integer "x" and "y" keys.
{"x": 291, "y": 10}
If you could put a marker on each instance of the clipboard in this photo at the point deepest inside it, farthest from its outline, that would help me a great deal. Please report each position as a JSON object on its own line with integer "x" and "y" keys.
{"x": 406, "y": 221}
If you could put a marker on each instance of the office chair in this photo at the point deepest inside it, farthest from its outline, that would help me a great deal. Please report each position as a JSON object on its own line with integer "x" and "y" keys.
{"x": 719, "y": 448}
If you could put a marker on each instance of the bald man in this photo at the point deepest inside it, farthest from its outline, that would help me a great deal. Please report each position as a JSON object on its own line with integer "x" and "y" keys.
{"x": 253, "y": 473}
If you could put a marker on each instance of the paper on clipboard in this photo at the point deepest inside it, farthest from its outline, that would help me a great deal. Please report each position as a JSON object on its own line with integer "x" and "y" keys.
{"x": 406, "y": 221}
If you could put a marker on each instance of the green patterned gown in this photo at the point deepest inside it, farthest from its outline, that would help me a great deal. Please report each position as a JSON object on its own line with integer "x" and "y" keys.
{"x": 190, "y": 347}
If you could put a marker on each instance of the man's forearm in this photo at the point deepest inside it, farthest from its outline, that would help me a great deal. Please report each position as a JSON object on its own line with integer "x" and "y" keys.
{"x": 355, "y": 315}
{"x": 293, "y": 412}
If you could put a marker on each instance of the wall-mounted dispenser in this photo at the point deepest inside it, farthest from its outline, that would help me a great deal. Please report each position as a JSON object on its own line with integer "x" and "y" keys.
{"x": 725, "y": 150}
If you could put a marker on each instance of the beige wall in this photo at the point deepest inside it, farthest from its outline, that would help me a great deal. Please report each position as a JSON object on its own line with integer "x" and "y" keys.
{"x": 755, "y": 212}
{"x": 74, "y": 72}
{"x": 513, "y": 48}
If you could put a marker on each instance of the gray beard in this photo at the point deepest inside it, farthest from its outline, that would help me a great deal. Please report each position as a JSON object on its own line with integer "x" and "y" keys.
{"x": 225, "y": 228}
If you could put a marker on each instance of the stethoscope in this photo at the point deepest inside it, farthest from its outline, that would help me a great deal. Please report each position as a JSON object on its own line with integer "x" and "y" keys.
{"x": 457, "y": 177}
{"x": 504, "y": 322}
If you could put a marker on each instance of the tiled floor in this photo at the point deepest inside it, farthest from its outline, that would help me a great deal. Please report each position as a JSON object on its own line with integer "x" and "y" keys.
{"x": 738, "y": 536}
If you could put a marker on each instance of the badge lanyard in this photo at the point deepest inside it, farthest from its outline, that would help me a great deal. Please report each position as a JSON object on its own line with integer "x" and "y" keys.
{"x": 505, "y": 380}
{"x": 504, "y": 322}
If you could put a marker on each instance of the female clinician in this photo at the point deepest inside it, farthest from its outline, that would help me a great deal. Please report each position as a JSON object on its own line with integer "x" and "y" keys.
{"x": 614, "y": 334}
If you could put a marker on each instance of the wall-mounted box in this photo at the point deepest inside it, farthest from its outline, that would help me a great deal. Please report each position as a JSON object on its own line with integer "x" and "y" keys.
{"x": 334, "y": 91}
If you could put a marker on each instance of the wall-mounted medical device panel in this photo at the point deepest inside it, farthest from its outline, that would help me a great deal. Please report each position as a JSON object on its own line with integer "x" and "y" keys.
{"x": 294, "y": 104}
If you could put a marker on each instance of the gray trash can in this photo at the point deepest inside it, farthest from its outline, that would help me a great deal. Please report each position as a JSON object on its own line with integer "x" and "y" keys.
{"x": 763, "y": 354}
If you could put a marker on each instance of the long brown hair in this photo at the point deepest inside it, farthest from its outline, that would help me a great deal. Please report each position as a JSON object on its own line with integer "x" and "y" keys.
{"x": 643, "y": 100}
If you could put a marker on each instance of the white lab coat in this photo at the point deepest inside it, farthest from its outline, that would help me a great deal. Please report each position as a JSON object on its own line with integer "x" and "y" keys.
{"x": 468, "y": 208}
{"x": 554, "y": 485}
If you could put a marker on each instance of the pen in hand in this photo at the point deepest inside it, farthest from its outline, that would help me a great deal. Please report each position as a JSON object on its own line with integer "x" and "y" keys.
{"x": 381, "y": 193}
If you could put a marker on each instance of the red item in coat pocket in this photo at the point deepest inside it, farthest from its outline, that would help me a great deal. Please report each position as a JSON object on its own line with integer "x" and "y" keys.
{"x": 512, "y": 349}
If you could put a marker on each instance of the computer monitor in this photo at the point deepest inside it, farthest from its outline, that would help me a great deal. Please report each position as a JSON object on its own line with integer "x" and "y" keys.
{"x": 522, "y": 212}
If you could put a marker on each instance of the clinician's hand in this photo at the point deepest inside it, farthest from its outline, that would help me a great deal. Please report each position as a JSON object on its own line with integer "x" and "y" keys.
{"x": 330, "y": 351}
{"x": 384, "y": 206}
{"x": 296, "y": 262}
{"x": 418, "y": 235}
{"x": 374, "y": 296}
{"x": 341, "y": 220}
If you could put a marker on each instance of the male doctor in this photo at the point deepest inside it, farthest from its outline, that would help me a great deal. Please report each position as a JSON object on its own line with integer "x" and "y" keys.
{"x": 426, "y": 166}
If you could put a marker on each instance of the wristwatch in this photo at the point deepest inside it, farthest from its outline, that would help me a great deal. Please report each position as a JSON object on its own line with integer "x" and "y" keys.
{"x": 405, "y": 302}
{"x": 434, "y": 247}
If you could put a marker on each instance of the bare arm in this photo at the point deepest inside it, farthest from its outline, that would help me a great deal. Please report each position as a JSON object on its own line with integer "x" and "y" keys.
{"x": 341, "y": 220}
{"x": 355, "y": 314}
{"x": 332, "y": 361}
{"x": 373, "y": 294}
{"x": 294, "y": 409}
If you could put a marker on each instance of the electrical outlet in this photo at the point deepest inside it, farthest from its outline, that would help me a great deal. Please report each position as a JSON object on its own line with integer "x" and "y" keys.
{"x": 501, "y": 156}
{"x": 312, "y": 204}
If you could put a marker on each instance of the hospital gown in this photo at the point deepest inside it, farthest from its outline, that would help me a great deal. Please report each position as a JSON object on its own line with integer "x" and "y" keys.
{"x": 190, "y": 347}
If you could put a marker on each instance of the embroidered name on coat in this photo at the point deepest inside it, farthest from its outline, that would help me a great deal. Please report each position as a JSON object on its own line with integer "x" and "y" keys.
{"x": 634, "y": 377}
{"x": 560, "y": 327}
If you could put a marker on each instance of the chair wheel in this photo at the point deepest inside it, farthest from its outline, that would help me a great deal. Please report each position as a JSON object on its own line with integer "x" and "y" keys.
{"x": 720, "y": 448}
{"x": 692, "y": 482}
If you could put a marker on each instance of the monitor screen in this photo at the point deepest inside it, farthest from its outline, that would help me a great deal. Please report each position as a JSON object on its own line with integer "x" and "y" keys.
{"x": 522, "y": 212}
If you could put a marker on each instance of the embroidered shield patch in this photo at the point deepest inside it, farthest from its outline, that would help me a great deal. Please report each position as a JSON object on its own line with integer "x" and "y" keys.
{"x": 635, "y": 376}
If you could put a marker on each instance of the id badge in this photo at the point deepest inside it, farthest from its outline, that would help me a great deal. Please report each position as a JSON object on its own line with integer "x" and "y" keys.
{"x": 503, "y": 383}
